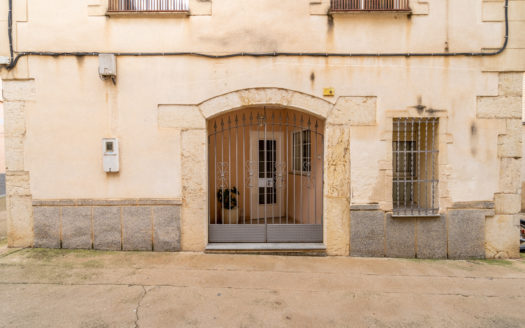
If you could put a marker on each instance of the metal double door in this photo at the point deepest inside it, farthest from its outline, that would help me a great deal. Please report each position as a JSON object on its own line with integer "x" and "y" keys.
{"x": 265, "y": 169}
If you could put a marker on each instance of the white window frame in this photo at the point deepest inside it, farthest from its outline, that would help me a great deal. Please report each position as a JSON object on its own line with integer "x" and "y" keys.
{"x": 299, "y": 142}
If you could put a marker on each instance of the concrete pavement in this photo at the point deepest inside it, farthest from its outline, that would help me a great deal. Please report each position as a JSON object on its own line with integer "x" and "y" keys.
{"x": 63, "y": 288}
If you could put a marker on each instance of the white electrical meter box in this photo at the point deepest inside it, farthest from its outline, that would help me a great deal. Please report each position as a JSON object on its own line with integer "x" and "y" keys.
{"x": 107, "y": 65}
{"x": 110, "y": 155}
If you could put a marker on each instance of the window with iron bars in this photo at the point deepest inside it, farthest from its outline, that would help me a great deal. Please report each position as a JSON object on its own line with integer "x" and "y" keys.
{"x": 415, "y": 166}
{"x": 369, "y": 5}
{"x": 148, "y": 5}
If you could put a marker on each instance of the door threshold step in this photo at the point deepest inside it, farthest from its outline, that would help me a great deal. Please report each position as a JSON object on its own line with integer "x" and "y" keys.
{"x": 268, "y": 248}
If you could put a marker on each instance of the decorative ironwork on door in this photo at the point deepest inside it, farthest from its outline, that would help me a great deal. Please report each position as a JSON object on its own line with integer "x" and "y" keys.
{"x": 265, "y": 176}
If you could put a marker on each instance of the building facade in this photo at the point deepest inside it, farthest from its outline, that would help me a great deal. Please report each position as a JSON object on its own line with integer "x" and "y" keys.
{"x": 361, "y": 128}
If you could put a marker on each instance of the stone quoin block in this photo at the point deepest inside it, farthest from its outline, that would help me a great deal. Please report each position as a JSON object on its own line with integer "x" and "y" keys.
{"x": 17, "y": 184}
{"x": 509, "y": 172}
{"x": 76, "y": 227}
{"x": 136, "y": 228}
{"x": 18, "y": 90}
{"x": 367, "y": 233}
{"x": 499, "y": 107}
{"x": 194, "y": 186}
{"x": 14, "y": 114}
{"x": 509, "y": 145}
{"x": 337, "y": 225}
{"x": 20, "y": 223}
{"x": 507, "y": 203}
{"x": 14, "y": 153}
{"x": 431, "y": 238}
{"x": 502, "y": 235}
{"x": 166, "y": 228}
{"x": 466, "y": 234}
{"x": 510, "y": 84}
{"x": 46, "y": 226}
{"x": 337, "y": 162}
{"x": 400, "y": 237}
{"x": 354, "y": 111}
{"x": 106, "y": 227}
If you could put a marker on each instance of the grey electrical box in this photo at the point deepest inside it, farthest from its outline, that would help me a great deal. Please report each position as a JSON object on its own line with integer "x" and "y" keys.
{"x": 107, "y": 65}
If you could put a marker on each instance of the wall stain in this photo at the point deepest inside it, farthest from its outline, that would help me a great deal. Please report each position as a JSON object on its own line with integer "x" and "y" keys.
{"x": 329, "y": 23}
{"x": 329, "y": 32}
{"x": 80, "y": 60}
{"x": 473, "y": 139}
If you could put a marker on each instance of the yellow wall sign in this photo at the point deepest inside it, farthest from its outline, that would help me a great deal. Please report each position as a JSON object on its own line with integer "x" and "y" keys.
{"x": 328, "y": 92}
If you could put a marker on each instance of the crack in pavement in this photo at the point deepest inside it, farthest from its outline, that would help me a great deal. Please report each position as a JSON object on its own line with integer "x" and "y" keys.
{"x": 137, "y": 318}
{"x": 151, "y": 287}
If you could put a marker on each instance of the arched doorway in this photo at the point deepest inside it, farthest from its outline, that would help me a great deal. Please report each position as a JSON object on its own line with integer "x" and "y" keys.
{"x": 265, "y": 176}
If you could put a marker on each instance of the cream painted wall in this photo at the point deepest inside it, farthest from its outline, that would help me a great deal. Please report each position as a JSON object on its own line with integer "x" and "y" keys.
{"x": 64, "y": 132}
{"x": 74, "y": 109}
{"x": 63, "y": 147}
{"x": 237, "y": 25}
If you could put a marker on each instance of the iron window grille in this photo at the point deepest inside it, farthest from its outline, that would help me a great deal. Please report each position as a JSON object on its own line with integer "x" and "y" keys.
{"x": 369, "y": 5}
{"x": 415, "y": 166}
{"x": 148, "y": 5}
{"x": 301, "y": 151}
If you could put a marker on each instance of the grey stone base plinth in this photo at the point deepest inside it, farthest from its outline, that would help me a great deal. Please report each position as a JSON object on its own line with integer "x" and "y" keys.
{"x": 166, "y": 228}
{"x": 400, "y": 237}
{"x": 76, "y": 227}
{"x": 106, "y": 228}
{"x": 137, "y": 228}
{"x": 46, "y": 221}
{"x": 466, "y": 234}
{"x": 367, "y": 233}
{"x": 458, "y": 234}
{"x": 432, "y": 238}
{"x": 129, "y": 224}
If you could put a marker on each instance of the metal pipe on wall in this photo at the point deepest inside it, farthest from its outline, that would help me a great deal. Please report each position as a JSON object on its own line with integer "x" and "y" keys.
{"x": 14, "y": 60}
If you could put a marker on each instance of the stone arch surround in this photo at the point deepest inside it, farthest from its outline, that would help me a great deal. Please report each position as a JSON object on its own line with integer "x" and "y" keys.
{"x": 191, "y": 120}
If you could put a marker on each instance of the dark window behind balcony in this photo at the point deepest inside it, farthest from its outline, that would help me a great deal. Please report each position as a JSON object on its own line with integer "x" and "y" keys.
{"x": 148, "y": 5}
{"x": 369, "y": 5}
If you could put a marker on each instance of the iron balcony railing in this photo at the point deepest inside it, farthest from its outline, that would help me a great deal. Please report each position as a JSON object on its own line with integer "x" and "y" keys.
{"x": 148, "y": 5}
{"x": 370, "y": 5}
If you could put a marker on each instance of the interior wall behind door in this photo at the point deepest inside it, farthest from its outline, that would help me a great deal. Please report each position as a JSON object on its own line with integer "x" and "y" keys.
{"x": 230, "y": 166}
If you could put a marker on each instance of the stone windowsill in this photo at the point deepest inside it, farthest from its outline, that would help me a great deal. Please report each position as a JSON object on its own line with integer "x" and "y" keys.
{"x": 421, "y": 216}
{"x": 365, "y": 207}
{"x": 151, "y": 14}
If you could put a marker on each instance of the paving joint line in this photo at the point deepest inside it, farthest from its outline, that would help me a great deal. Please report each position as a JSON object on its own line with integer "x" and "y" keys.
{"x": 144, "y": 286}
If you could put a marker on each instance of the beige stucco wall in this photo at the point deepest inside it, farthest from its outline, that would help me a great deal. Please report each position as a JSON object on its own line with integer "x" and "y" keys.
{"x": 71, "y": 109}
{"x": 94, "y": 109}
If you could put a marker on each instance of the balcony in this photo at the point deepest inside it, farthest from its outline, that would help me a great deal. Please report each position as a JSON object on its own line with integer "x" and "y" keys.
{"x": 349, "y": 6}
{"x": 145, "y": 7}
